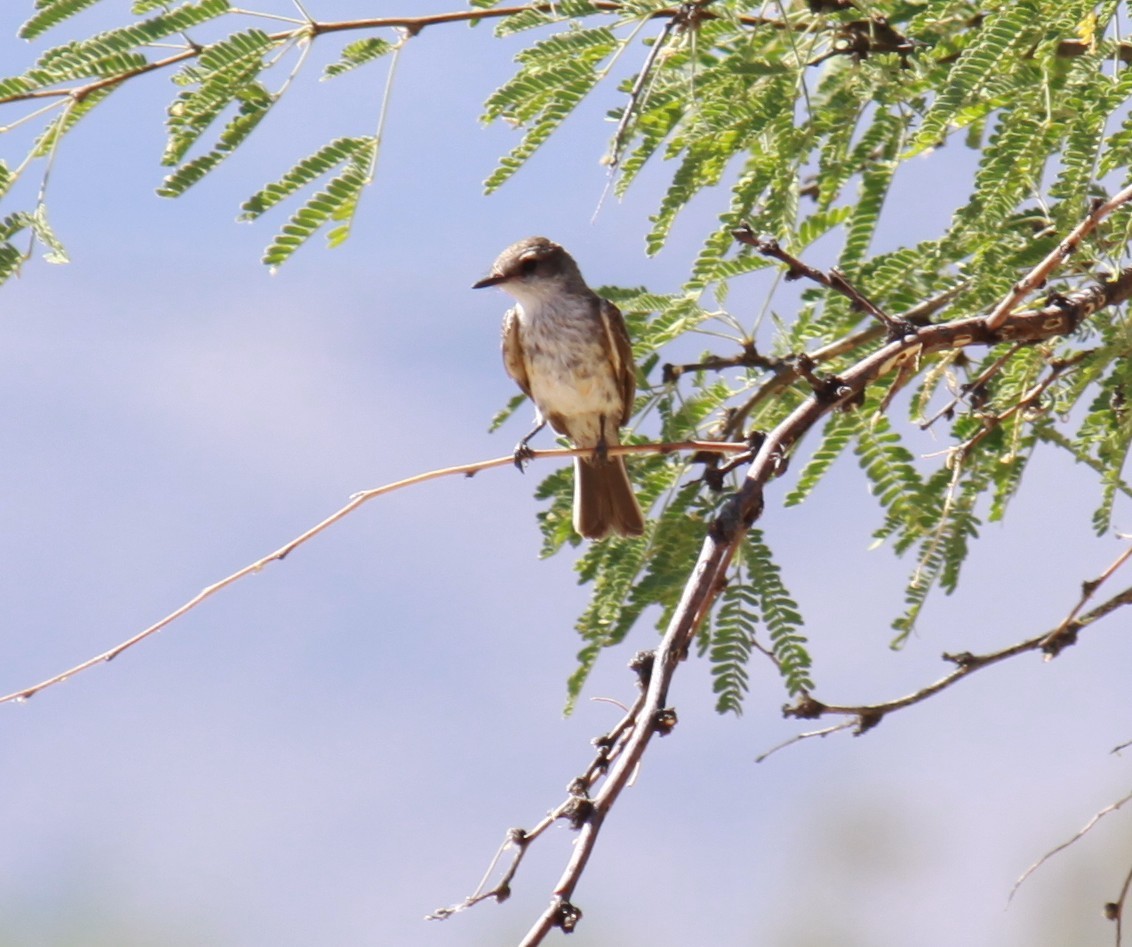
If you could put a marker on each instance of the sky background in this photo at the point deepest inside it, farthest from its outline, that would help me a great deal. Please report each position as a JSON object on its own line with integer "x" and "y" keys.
{"x": 329, "y": 750}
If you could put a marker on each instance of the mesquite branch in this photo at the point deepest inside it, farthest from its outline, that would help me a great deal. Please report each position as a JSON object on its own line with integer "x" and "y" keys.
{"x": 1051, "y": 643}
{"x": 309, "y": 29}
{"x": 467, "y": 470}
{"x": 653, "y": 715}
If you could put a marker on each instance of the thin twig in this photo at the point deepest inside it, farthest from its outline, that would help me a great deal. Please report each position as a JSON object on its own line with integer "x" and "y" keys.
{"x": 834, "y": 279}
{"x": 1023, "y": 402}
{"x": 356, "y": 500}
{"x": 970, "y": 387}
{"x": 1038, "y": 276}
{"x": 1064, "y": 845}
{"x": 785, "y": 373}
{"x": 637, "y": 93}
{"x": 1089, "y": 588}
{"x": 799, "y": 737}
{"x": 1115, "y": 909}
{"x": 575, "y": 808}
{"x": 1051, "y": 643}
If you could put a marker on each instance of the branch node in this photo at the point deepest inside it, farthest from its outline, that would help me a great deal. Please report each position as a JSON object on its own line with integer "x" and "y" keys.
{"x": 1060, "y": 639}
{"x": 566, "y": 916}
{"x": 578, "y": 811}
{"x": 664, "y": 721}
{"x": 578, "y": 786}
{"x": 826, "y": 388}
{"x": 641, "y": 664}
{"x": 963, "y": 659}
{"x": 867, "y": 720}
{"x": 805, "y": 708}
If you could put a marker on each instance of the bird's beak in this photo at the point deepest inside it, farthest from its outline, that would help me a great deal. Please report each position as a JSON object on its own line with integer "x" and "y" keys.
{"x": 492, "y": 280}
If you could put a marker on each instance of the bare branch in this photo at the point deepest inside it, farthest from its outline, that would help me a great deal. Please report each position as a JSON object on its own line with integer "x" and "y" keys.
{"x": 1114, "y": 910}
{"x": 834, "y": 279}
{"x": 799, "y": 737}
{"x": 575, "y": 808}
{"x": 1089, "y": 589}
{"x": 1064, "y": 845}
{"x": 1051, "y": 643}
{"x": 468, "y": 470}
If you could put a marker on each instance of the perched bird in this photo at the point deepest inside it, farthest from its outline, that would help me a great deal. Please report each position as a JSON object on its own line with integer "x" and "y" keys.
{"x": 568, "y": 350}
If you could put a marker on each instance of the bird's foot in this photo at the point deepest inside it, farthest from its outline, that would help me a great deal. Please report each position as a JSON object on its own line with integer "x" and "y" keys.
{"x": 523, "y": 455}
{"x": 601, "y": 449}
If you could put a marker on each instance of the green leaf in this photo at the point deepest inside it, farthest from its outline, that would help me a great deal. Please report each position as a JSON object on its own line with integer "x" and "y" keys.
{"x": 337, "y": 202}
{"x": 309, "y": 169}
{"x": 553, "y": 77}
{"x": 356, "y": 54}
{"x": 11, "y": 257}
{"x": 81, "y": 58}
{"x": 878, "y": 151}
{"x": 51, "y": 13}
{"x": 942, "y": 552}
{"x": 227, "y": 72}
{"x": 780, "y": 613}
{"x": 252, "y": 112}
{"x": 14, "y": 224}
{"x": 1011, "y": 164}
{"x": 45, "y": 235}
{"x": 504, "y": 413}
{"x": 893, "y": 478}
{"x": 15, "y": 86}
{"x": 612, "y": 566}
{"x": 1003, "y": 31}
{"x": 731, "y": 643}
{"x": 839, "y": 431}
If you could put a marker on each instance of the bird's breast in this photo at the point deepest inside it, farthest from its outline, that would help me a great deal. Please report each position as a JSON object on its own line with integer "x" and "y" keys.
{"x": 568, "y": 364}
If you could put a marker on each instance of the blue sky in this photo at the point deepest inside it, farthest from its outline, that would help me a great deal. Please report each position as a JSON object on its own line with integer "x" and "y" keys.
{"x": 329, "y": 750}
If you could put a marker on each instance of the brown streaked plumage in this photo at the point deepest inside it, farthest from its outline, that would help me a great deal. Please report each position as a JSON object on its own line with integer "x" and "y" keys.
{"x": 568, "y": 350}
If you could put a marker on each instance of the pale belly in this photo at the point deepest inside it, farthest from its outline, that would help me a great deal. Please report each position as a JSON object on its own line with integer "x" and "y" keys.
{"x": 572, "y": 384}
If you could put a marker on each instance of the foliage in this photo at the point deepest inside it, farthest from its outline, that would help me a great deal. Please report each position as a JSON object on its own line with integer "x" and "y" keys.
{"x": 756, "y": 592}
{"x": 803, "y": 120}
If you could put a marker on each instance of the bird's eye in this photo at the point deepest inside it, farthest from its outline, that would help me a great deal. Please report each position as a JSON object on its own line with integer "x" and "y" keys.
{"x": 528, "y": 266}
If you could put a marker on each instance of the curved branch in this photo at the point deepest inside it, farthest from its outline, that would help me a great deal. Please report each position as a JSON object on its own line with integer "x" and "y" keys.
{"x": 412, "y": 25}
{"x": 1085, "y": 829}
{"x": 468, "y": 470}
{"x": 1051, "y": 643}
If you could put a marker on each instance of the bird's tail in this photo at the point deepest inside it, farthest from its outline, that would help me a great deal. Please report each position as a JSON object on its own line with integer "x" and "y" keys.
{"x": 603, "y": 499}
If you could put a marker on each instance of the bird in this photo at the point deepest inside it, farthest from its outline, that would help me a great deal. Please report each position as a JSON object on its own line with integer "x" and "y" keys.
{"x": 569, "y": 351}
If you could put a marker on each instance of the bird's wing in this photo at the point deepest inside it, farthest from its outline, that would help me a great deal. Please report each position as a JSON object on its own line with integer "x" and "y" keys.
{"x": 513, "y": 359}
{"x": 621, "y": 355}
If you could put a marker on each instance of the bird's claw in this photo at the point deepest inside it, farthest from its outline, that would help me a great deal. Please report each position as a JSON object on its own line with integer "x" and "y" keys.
{"x": 601, "y": 449}
{"x": 523, "y": 455}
